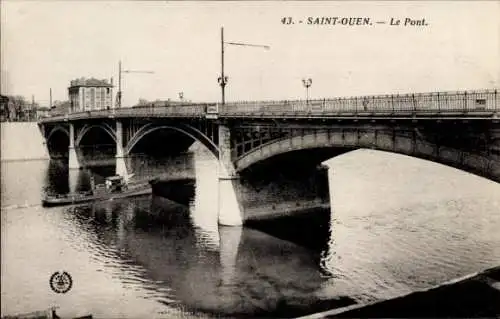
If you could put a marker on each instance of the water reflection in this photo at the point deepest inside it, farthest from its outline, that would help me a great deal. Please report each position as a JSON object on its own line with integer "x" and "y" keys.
{"x": 171, "y": 244}
{"x": 165, "y": 256}
{"x": 152, "y": 242}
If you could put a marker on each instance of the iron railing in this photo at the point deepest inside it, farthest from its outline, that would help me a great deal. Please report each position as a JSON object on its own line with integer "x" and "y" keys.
{"x": 193, "y": 110}
{"x": 486, "y": 102}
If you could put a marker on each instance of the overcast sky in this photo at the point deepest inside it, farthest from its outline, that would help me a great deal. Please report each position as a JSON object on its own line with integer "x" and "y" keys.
{"x": 45, "y": 44}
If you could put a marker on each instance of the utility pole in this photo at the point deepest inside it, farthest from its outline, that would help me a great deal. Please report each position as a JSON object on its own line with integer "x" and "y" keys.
{"x": 50, "y": 99}
{"x": 224, "y": 79}
{"x": 119, "y": 96}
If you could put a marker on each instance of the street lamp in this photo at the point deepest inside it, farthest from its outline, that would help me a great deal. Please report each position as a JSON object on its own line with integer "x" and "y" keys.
{"x": 119, "y": 95}
{"x": 181, "y": 96}
{"x": 307, "y": 83}
{"x": 222, "y": 79}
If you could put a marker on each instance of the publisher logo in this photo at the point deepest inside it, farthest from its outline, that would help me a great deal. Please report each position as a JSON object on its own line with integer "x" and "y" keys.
{"x": 60, "y": 282}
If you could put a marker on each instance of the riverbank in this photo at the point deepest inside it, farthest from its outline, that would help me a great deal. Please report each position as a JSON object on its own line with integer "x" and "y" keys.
{"x": 472, "y": 296}
{"x": 22, "y": 141}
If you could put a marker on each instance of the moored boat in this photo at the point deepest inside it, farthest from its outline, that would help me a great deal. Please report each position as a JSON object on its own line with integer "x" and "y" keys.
{"x": 43, "y": 314}
{"x": 115, "y": 187}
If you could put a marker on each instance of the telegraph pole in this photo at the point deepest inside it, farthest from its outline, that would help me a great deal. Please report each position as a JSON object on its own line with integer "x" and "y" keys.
{"x": 119, "y": 96}
{"x": 223, "y": 79}
{"x": 120, "y": 71}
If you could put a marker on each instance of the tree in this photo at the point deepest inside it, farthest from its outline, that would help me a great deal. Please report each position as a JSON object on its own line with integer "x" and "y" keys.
{"x": 17, "y": 107}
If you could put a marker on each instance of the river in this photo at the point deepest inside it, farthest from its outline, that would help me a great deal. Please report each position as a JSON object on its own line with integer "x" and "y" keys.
{"x": 397, "y": 224}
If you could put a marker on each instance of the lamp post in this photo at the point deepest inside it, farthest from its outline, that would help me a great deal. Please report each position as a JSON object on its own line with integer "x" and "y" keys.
{"x": 307, "y": 83}
{"x": 119, "y": 95}
{"x": 222, "y": 79}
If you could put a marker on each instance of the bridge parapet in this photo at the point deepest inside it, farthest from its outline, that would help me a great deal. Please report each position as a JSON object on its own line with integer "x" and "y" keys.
{"x": 484, "y": 103}
{"x": 183, "y": 111}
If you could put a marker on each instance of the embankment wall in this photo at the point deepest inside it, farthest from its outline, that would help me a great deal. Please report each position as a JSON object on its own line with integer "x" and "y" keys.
{"x": 21, "y": 141}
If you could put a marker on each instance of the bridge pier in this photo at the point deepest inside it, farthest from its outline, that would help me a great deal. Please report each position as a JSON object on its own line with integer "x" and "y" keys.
{"x": 323, "y": 187}
{"x": 73, "y": 180}
{"x": 230, "y": 211}
{"x": 73, "y": 162}
{"x": 121, "y": 167}
{"x": 229, "y": 239}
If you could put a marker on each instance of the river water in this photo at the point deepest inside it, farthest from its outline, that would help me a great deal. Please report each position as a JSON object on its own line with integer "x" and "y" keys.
{"x": 397, "y": 224}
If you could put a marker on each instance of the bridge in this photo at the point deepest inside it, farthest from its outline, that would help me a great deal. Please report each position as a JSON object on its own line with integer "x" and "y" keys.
{"x": 257, "y": 141}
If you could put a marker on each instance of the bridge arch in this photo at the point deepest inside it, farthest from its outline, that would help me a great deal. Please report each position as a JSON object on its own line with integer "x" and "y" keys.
{"x": 188, "y": 130}
{"x": 57, "y": 128}
{"x": 403, "y": 142}
{"x": 57, "y": 141}
{"x": 86, "y": 128}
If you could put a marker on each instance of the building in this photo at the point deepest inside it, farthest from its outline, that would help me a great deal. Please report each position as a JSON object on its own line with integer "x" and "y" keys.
{"x": 42, "y": 112}
{"x": 90, "y": 94}
{"x": 4, "y": 108}
{"x": 60, "y": 108}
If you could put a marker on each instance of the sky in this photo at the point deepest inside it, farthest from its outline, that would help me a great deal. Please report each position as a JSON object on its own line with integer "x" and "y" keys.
{"x": 46, "y": 44}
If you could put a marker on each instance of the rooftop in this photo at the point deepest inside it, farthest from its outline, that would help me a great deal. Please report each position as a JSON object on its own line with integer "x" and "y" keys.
{"x": 90, "y": 82}
{"x": 60, "y": 109}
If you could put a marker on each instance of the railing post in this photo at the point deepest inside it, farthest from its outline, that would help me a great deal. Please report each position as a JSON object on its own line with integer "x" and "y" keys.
{"x": 465, "y": 102}
{"x": 496, "y": 100}
{"x": 414, "y": 102}
{"x": 439, "y": 103}
{"x": 392, "y": 103}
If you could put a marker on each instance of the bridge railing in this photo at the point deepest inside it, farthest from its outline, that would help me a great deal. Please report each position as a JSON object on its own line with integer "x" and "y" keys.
{"x": 487, "y": 101}
{"x": 194, "y": 110}
{"x": 178, "y": 110}
{"x": 440, "y": 102}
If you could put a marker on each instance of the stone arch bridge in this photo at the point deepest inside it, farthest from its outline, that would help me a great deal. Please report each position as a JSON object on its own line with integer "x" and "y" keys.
{"x": 251, "y": 140}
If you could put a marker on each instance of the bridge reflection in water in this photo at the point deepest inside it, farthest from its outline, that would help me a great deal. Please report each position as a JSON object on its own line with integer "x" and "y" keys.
{"x": 155, "y": 257}
{"x": 172, "y": 247}
{"x": 188, "y": 264}
{"x": 176, "y": 241}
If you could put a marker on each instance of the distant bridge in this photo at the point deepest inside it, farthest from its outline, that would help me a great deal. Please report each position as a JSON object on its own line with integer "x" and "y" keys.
{"x": 459, "y": 129}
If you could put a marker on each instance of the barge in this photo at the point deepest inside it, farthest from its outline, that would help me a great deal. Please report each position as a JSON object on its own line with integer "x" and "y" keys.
{"x": 115, "y": 187}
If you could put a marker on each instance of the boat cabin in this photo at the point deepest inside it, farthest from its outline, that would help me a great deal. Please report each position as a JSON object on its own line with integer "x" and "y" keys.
{"x": 115, "y": 183}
